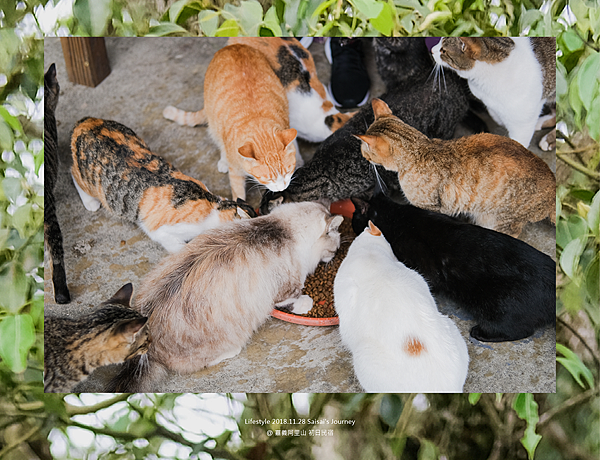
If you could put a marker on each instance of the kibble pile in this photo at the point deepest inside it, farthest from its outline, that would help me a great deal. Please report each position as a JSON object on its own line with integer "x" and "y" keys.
{"x": 319, "y": 285}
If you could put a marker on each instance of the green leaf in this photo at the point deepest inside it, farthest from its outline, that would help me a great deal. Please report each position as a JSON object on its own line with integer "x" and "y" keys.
{"x": 433, "y": 17}
{"x": 22, "y": 219}
{"x": 6, "y": 136}
{"x": 166, "y": 28}
{"x": 575, "y": 366}
{"x": 229, "y": 28}
{"x": 370, "y": 8}
{"x": 209, "y": 22}
{"x": 271, "y": 22}
{"x": 588, "y": 80}
{"x": 592, "y": 119}
{"x": 474, "y": 398}
{"x": 569, "y": 259}
{"x": 14, "y": 287}
{"x": 249, "y": 16}
{"x": 17, "y": 336}
{"x": 427, "y": 451}
{"x": 571, "y": 40}
{"x": 391, "y": 409}
{"x": 10, "y": 120}
{"x": 527, "y": 409}
{"x": 593, "y": 217}
{"x": 592, "y": 281}
{"x": 93, "y": 15}
{"x": 384, "y": 23}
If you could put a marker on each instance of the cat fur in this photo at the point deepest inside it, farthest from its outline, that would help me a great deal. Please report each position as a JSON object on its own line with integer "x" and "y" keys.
{"x": 389, "y": 320}
{"x": 337, "y": 170}
{"x": 246, "y": 108}
{"x": 505, "y": 284}
{"x": 513, "y": 77}
{"x": 52, "y": 233}
{"x": 112, "y": 166}
{"x": 491, "y": 178}
{"x": 73, "y": 348}
{"x": 205, "y": 302}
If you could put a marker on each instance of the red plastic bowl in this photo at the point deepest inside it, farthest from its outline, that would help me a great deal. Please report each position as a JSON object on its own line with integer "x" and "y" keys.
{"x": 343, "y": 207}
{"x": 304, "y": 320}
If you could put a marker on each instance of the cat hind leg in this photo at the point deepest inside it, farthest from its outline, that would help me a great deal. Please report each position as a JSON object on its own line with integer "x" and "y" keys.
{"x": 89, "y": 202}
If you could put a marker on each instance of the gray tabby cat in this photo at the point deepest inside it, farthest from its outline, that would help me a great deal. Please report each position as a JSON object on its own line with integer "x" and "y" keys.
{"x": 52, "y": 233}
{"x": 73, "y": 348}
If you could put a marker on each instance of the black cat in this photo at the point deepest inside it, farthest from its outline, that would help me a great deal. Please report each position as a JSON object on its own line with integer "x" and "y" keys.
{"x": 338, "y": 169}
{"x": 52, "y": 233}
{"x": 508, "y": 286}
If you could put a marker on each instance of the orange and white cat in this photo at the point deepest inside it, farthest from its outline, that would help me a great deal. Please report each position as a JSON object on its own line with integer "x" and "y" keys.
{"x": 311, "y": 110}
{"x": 112, "y": 166}
{"x": 246, "y": 108}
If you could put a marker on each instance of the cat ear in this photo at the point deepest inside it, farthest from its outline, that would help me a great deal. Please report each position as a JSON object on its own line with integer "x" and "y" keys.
{"x": 287, "y": 135}
{"x": 373, "y": 230}
{"x": 370, "y": 141}
{"x": 360, "y": 205}
{"x": 122, "y": 296}
{"x": 243, "y": 214}
{"x": 334, "y": 222}
{"x": 130, "y": 326}
{"x": 247, "y": 151}
{"x": 380, "y": 108}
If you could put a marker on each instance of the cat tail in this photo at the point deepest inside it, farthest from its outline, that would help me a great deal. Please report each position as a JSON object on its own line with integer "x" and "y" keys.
{"x": 185, "y": 118}
{"x": 137, "y": 375}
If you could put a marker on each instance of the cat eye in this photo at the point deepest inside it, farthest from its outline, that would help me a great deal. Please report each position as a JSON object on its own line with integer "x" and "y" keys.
{"x": 462, "y": 45}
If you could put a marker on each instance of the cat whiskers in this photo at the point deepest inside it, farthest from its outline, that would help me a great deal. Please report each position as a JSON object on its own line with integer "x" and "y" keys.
{"x": 438, "y": 76}
{"x": 380, "y": 181}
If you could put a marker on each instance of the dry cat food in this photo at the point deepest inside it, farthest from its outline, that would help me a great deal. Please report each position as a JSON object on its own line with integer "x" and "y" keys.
{"x": 319, "y": 285}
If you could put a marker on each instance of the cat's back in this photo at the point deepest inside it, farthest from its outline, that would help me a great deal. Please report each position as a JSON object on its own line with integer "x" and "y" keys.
{"x": 240, "y": 86}
{"x": 389, "y": 320}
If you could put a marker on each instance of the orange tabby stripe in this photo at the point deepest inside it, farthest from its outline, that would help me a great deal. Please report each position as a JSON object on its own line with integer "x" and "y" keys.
{"x": 413, "y": 346}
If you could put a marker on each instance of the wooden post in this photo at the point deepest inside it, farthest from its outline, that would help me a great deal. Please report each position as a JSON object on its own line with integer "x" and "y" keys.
{"x": 86, "y": 60}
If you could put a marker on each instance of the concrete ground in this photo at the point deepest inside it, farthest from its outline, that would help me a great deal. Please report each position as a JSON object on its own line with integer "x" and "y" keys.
{"x": 103, "y": 252}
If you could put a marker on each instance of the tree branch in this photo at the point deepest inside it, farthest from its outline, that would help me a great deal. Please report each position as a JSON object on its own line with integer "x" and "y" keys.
{"x": 576, "y": 334}
{"x": 18, "y": 441}
{"x": 565, "y": 405}
{"x": 82, "y": 410}
{"x": 578, "y": 166}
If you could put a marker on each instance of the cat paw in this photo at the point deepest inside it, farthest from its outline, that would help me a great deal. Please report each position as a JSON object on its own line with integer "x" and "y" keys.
{"x": 302, "y": 305}
{"x": 170, "y": 113}
{"x": 223, "y": 166}
{"x": 548, "y": 142}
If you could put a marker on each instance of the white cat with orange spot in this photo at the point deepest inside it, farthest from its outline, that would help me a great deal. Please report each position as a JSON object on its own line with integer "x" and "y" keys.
{"x": 400, "y": 343}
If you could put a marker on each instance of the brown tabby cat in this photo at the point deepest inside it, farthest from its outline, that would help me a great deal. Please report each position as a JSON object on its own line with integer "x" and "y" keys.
{"x": 73, "y": 348}
{"x": 114, "y": 167}
{"x": 495, "y": 180}
{"x": 247, "y": 113}
{"x": 311, "y": 111}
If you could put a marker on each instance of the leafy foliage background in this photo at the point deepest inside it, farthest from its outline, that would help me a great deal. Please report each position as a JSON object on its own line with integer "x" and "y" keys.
{"x": 552, "y": 426}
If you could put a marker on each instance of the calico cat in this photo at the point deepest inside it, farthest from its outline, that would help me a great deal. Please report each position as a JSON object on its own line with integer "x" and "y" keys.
{"x": 311, "y": 110}
{"x": 246, "y": 108}
{"x": 114, "y": 167}
{"x": 337, "y": 170}
{"x": 513, "y": 77}
{"x": 73, "y": 348}
{"x": 52, "y": 233}
{"x": 390, "y": 322}
{"x": 205, "y": 302}
{"x": 505, "y": 284}
{"x": 493, "y": 179}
